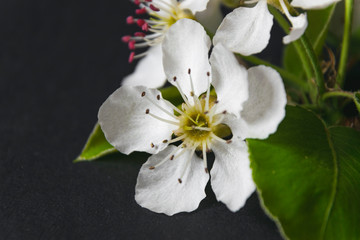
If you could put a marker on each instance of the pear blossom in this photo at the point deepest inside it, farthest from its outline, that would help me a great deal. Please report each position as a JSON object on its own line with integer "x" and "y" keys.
{"x": 154, "y": 18}
{"x": 246, "y": 30}
{"x": 248, "y": 104}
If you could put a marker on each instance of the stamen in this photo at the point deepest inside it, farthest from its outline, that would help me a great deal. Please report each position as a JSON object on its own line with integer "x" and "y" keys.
{"x": 168, "y": 157}
{"x": 192, "y": 93}
{"x": 187, "y": 163}
{"x": 160, "y": 107}
{"x": 217, "y": 138}
{"x": 207, "y": 93}
{"x": 202, "y": 128}
{"x": 204, "y": 157}
{"x": 181, "y": 92}
{"x": 162, "y": 119}
{"x": 177, "y": 139}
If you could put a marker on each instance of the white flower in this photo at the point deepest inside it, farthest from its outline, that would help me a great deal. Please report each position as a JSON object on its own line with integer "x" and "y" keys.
{"x": 162, "y": 14}
{"x": 246, "y": 30}
{"x": 250, "y": 104}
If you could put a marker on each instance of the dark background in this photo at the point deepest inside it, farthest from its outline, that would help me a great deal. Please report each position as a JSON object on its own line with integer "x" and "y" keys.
{"x": 59, "y": 60}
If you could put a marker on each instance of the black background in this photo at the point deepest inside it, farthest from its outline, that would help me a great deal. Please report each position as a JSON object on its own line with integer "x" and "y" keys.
{"x": 59, "y": 60}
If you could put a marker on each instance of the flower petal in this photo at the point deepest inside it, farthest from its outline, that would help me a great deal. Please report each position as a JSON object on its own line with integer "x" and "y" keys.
{"x": 194, "y": 5}
{"x": 231, "y": 178}
{"x": 211, "y": 17}
{"x": 149, "y": 71}
{"x": 229, "y": 80}
{"x": 265, "y": 108}
{"x": 246, "y": 30}
{"x": 186, "y": 46}
{"x": 128, "y": 128}
{"x": 159, "y": 189}
{"x": 299, "y": 25}
{"x": 311, "y": 4}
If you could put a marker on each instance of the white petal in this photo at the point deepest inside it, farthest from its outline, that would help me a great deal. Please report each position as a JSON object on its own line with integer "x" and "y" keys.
{"x": 265, "y": 108}
{"x": 186, "y": 46}
{"x": 246, "y": 30}
{"x": 149, "y": 71}
{"x": 211, "y": 17}
{"x": 313, "y": 4}
{"x": 229, "y": 80}
{"x": 236, "y": 125}
{"x": 159, "y": 189}
{"x": 128, "y": 128}
{"x": 231, "y": 178}
{"x": 299, "y": 25}
{"x": 194, "y": 5}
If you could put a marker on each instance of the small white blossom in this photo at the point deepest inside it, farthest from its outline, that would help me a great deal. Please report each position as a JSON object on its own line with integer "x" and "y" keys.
{"x": 248, "y": 104}
{"x": 154, "y": 18}
{"x": 246, "y": 30}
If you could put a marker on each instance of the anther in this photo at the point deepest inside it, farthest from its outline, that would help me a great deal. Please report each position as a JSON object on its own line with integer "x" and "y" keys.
{"x": 155, "y": 9}
{"x": 126, "y": 39}
{"x": 208, "y": 74}
{"x": 174, "y": 78}
{"x": 206, "y": 112}
{"x": 130, "y": 20}
{"x": 131, "y": 57}
{"x": 139, "y": 34}
{"x": 143, "y": 94}
{"x": 147, "y": 111}
{"x": 229, "y": 141}
{"x": 179, "y": 179}
{"x": 165, "y": 141}
{"x": 152, "y": 168}
{"x": 216, "y": 102}
{"x": 140, "y": 11}
{"x": 158, "y": 97}
{"x": 224, "y": 112}
{"x": 152, "y": 145}
{"x": 172, "y": 157}
{"x": 206, "y": 170}
{"x": 189, "y": 71}
{"x": 131, "y": 45}
{"x": 192, "y": 93}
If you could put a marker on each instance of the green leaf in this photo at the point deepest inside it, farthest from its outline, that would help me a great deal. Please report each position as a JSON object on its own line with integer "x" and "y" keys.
{"x": 96, "y": 146}
{"x": 316, "y": 32}
{"x": 308, "y": 177}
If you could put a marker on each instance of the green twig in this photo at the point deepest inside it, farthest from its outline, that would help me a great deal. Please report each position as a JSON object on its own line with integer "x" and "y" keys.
{"x": 337, "y": 94}
{"x": 306, "y": 53}
{"x": 345, "y": 43}
{"x": 288, "y": 76}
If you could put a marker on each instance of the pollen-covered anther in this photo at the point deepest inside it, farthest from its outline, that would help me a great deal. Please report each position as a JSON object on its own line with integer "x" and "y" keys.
{"x": 152, "y": 168}
{"x": 155, "y": 9}
{"x": 165, "y": 141}
{"x": 152, "y": 145}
